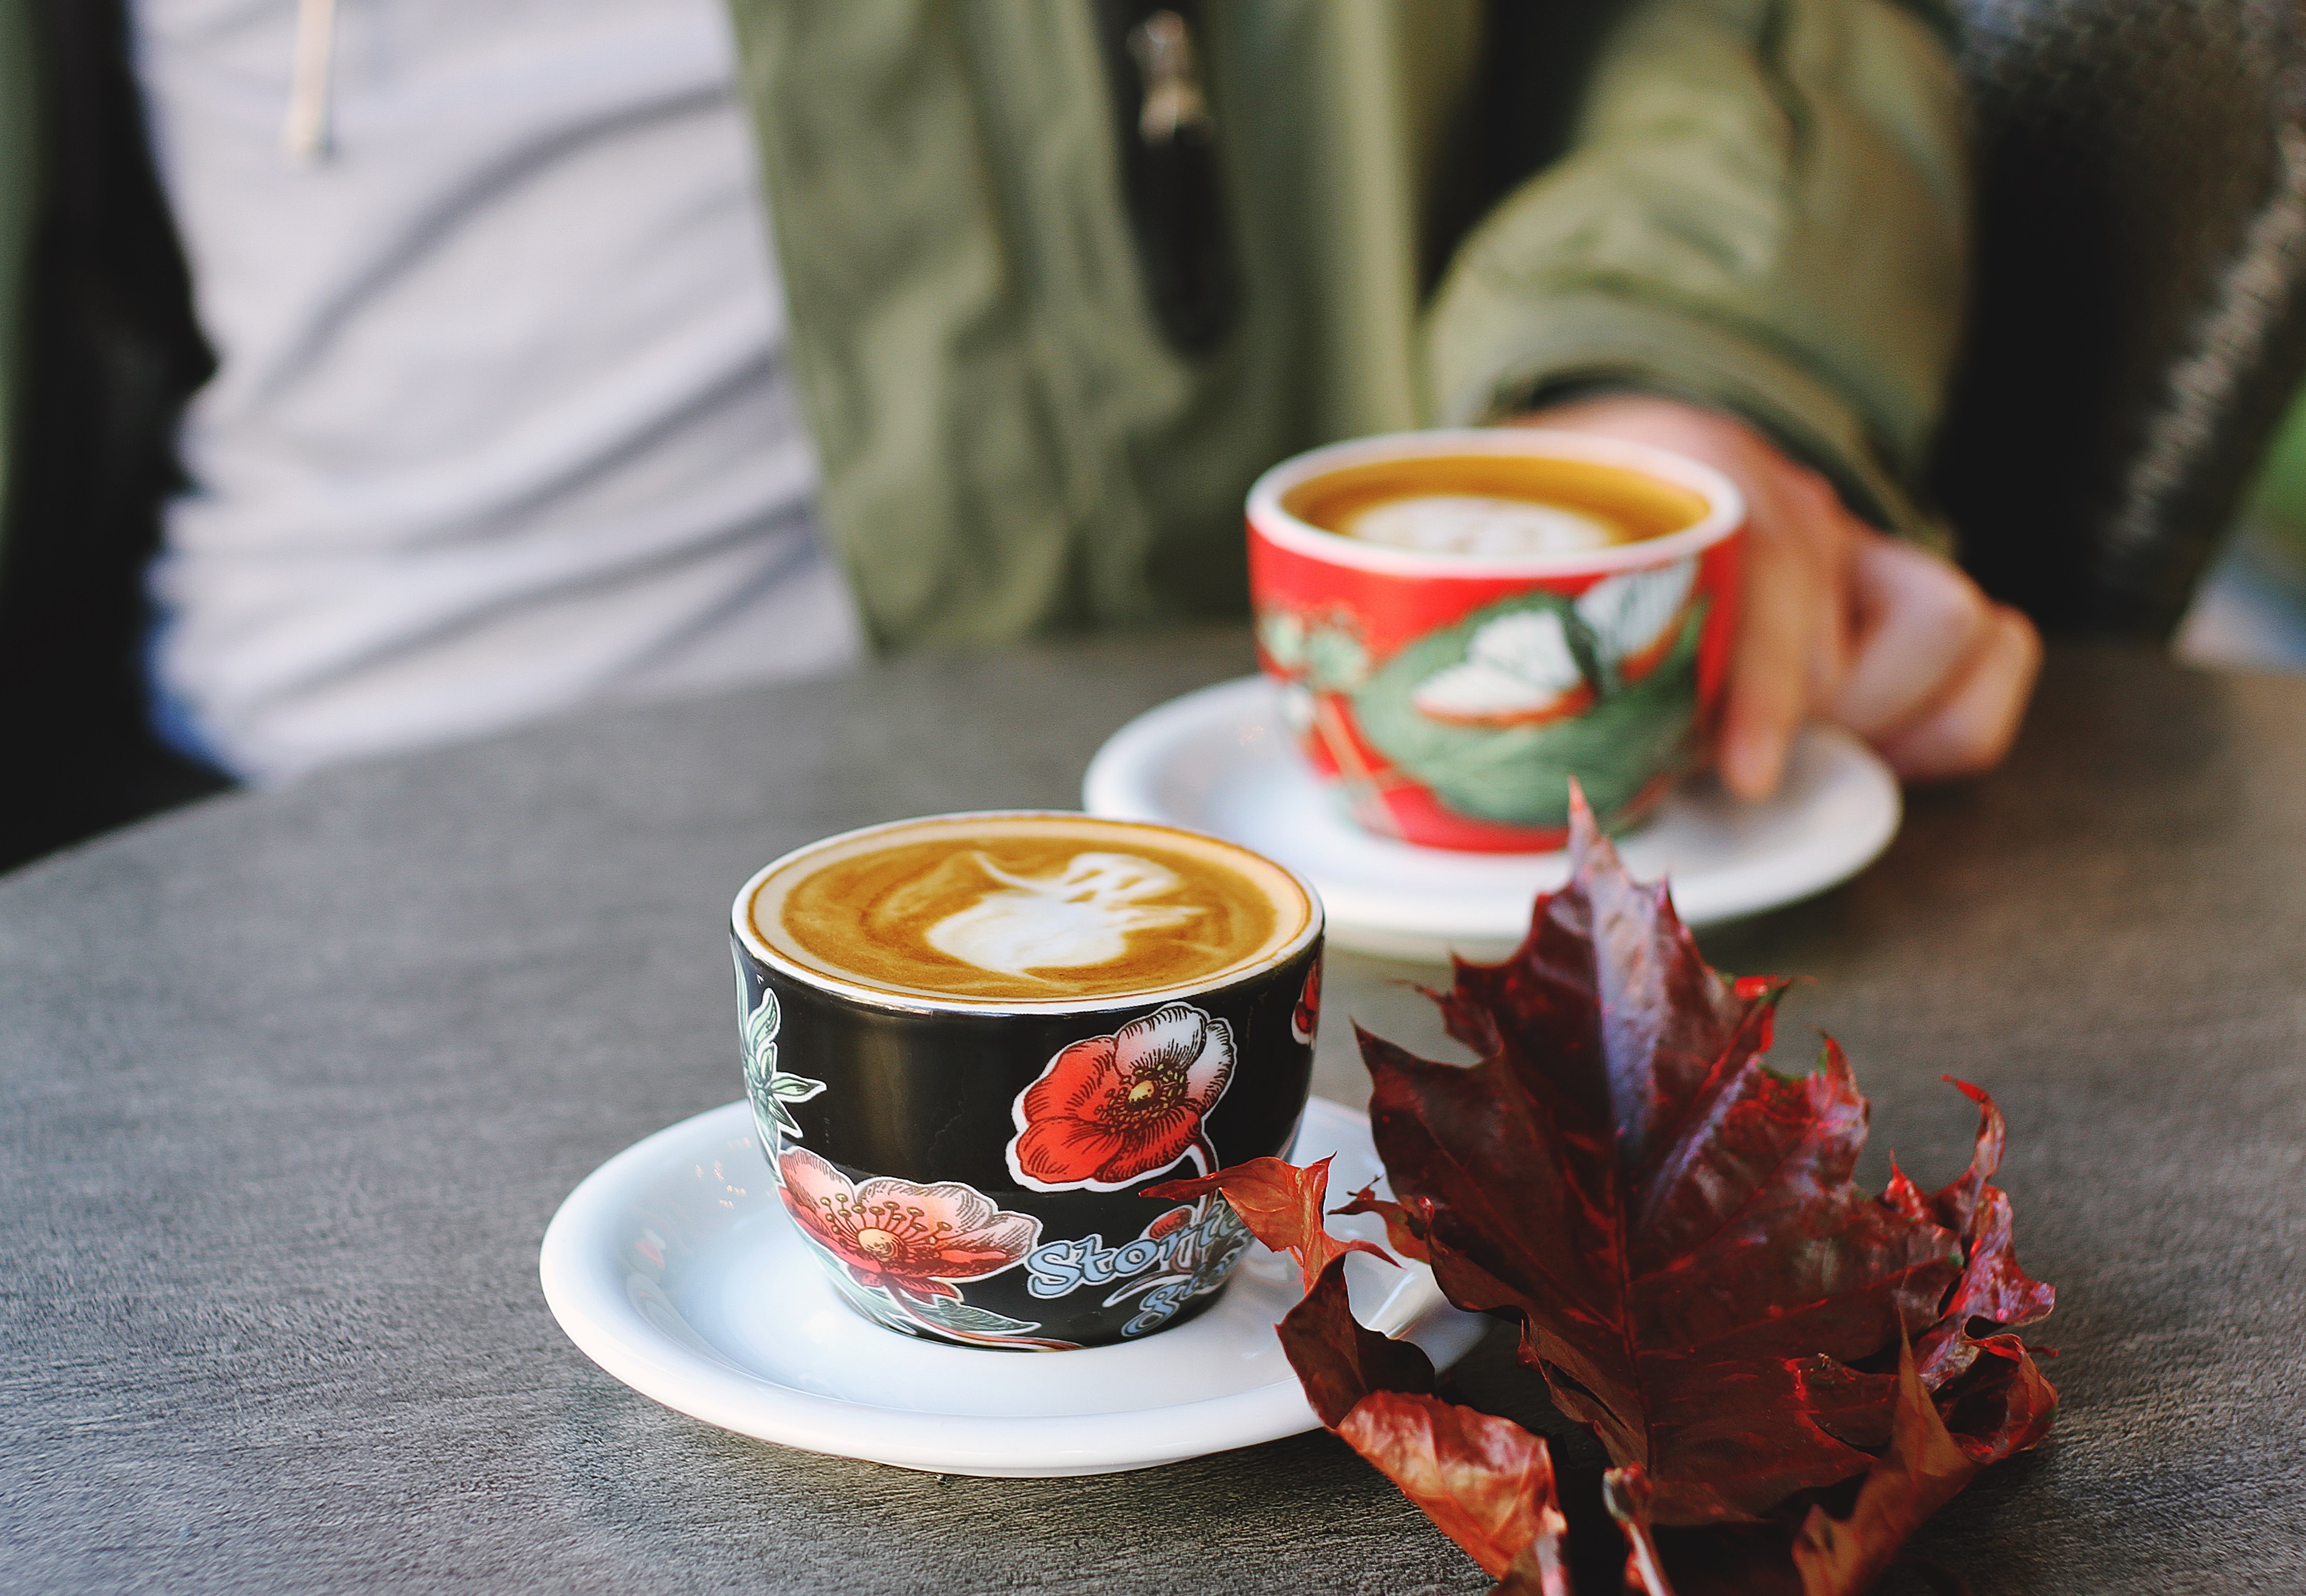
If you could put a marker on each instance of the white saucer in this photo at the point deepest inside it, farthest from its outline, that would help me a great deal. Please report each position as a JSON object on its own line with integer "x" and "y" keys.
{"x": 674, "y": 1268}
{"x": 1221, "y": 761}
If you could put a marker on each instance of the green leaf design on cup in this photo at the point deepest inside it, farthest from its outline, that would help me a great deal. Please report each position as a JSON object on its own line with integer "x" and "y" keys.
{"x": 772, "y": 1088}
{"x": 1519, "y": 774}
{"x": 1323, "y": 650}
{"x": 969, "y": 1320}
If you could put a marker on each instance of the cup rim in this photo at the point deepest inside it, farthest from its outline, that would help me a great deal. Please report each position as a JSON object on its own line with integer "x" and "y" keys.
{"x": 740, "y": 925}
{"x": 1725, "y": 516}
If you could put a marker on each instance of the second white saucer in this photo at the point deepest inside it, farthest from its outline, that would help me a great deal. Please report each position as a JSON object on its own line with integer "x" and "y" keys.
{"x": 1221, "y": 761}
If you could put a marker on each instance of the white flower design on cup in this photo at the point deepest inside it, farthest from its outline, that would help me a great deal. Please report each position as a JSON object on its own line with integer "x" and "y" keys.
{"x": 1632, "y": 617}
{"x": 1518, "y": 670}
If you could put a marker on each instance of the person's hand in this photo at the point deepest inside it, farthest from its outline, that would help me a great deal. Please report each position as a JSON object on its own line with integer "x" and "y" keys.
{"x": 1837, "y": 619}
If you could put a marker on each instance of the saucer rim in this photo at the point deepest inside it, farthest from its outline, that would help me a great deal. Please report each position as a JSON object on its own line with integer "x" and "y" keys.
{"x": 587, "y": 1289}
{"x": 1118, "y": 784}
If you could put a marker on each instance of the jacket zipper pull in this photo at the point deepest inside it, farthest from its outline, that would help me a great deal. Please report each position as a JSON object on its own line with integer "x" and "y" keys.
{"x": 1165, "y": 136}
{"x": 1162, "y": 46}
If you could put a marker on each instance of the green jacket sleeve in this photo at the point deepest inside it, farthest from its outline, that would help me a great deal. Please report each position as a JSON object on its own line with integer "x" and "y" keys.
{"x": 1765, "y": 206}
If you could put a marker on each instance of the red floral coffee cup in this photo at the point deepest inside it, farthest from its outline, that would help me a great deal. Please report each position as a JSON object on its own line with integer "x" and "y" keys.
{"x": 974, "y": 1042}
{"x": 1449, "y": 692}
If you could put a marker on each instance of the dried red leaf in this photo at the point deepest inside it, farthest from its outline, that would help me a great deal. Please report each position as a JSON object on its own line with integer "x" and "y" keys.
{"x": 1696, "y": 1277}
{"x": 1282, "y": 1206}
{"x": 1993, "y": 1288}
{"x": 1485, "y": 1483}
{"x": 1340, "y": 1360}
{"x": 1539, "y": 1571}
{"x": 1924, "y": 1469}
{"x": 1627, "y": 1493}
{"x": 1404, "y": 1222}
{"x": 2002, "y": 1406}
{"x": 1933, "y": 1446}
{"x": 1674, "y": 1224}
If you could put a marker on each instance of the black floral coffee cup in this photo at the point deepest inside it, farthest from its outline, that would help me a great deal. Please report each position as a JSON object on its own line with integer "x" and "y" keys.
{"x": 973, "y": 1041}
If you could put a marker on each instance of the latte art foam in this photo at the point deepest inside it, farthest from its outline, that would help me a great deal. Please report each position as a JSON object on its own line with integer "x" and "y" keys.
{"x": 1083, "y": 915}
{"x": 1479, "y": 523}
{"x": 1054, "y": 908}
{"x": 1493, "y": 506}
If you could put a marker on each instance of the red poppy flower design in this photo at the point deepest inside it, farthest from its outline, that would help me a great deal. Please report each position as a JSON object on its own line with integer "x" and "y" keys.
{"x": 1307, "y": 1017}
{"x": 1109, "y": 1111}
{"x": 895, "y": 1236}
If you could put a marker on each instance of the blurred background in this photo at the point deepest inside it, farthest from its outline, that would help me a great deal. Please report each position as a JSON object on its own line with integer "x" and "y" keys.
{"x": 2248, "y": 613}
{"x": 2117, "y": 456}
{"x": 2251, "y": 610}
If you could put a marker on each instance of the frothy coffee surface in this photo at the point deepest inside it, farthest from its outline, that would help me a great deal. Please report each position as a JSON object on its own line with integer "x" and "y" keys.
{"x": 1499, "y": 506}
{"x": 1479, "y": 523}
{"x": 1033, "y": 908}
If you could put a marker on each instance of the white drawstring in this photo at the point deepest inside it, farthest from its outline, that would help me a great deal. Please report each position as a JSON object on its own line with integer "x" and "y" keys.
{"x": 304, "y": 135}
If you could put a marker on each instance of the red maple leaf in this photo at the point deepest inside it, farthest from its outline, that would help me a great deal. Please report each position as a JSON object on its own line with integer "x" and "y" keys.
{"x": 1926, "y": 1466}
{"x": 1282, "y": 1205}
{"x": 1485, "y": 1483}
{"x": 1992, "y": 1289}
{"x": 1696, "y": 1276}
{"x": 1405, "y": 1222}
{"x": 1674, "y": 1224}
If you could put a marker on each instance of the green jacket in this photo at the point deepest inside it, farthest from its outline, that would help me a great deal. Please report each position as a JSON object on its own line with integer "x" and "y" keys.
{"x": 1758, "y": 203}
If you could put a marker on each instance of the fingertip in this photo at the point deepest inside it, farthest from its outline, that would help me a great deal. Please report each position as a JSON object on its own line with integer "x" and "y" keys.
{"x": 2026, "y": 639}
{"x": 1924, "y": 623}
{"x": 1970, "y": 731}
{"x": 1752, "y": 761}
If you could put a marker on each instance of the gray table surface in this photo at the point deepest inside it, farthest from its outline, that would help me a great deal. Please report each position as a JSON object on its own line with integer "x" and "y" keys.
{"x": 290, "y": 1084}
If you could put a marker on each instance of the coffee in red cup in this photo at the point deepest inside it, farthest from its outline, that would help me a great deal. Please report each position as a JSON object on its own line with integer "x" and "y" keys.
{"x": 1461, "y": 621}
